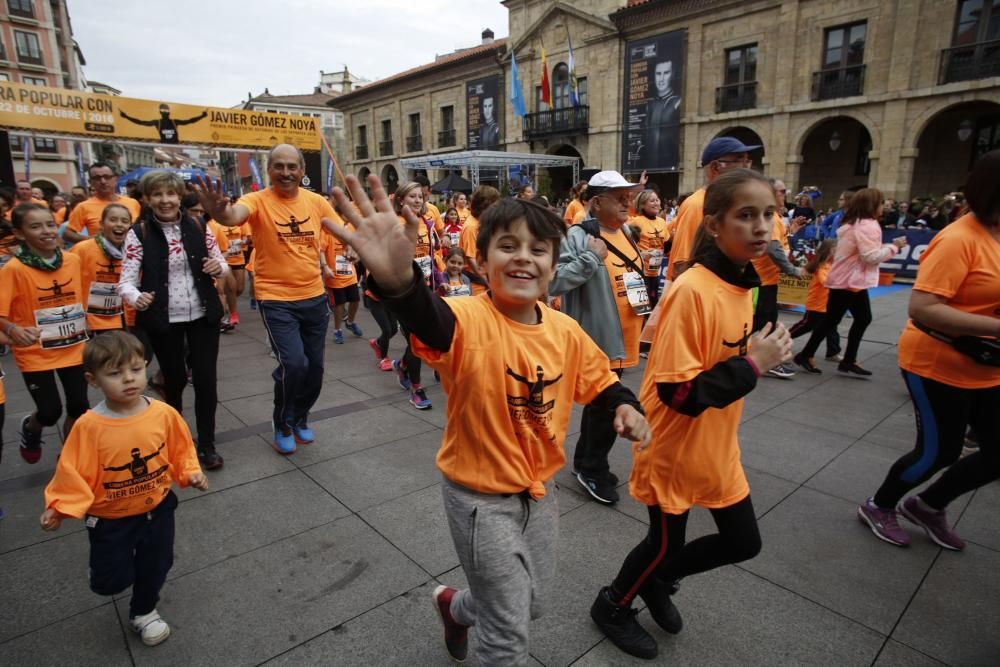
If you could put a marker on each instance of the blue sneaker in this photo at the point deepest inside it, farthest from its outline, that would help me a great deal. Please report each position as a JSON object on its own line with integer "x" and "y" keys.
{"x": 338, "y": 336}
{"x": 253, "y": 304}
{"x": 303, "y": 434}
{"x": 354, "y": 329}
{"x": 404, "y": 381}
{"x": 284, "y": 443}
{"x": 418, "y": 398}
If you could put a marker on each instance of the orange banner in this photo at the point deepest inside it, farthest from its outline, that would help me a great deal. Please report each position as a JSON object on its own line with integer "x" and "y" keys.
{"x": 77, "y": 113}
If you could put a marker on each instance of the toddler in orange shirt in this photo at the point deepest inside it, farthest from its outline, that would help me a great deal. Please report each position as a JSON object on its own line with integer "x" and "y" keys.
{"x": 116, "y": 471}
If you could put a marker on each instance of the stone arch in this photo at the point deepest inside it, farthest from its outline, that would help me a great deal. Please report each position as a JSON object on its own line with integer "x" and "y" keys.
{"x": 919, "y": 124}
{"x": 48, "y": 186}
{"x": 835, "y": 158}
{"x": 390, "y": 178}
{"x": 950, "y": 142}
{"x": 799, "y": 138}
{"x": 556, "y": 182}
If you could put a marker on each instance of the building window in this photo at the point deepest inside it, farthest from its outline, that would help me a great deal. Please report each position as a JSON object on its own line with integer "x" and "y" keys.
{"x": 4, "y": 76}
{"x": 28, "y": 49}
{"x": 361, "y": 145}
{"x": 385, "y": 146}
{"x": 43, "y": 145}
{"x": 843, "y": 68}
{"x": 560, "y": 89}
{"x": 975, "y": 45}
{"x": 21, "y": 8}
{"x": 739, "y": 89}
{"x": 414, "y": 141}
{"x": 35, "y": 80}
{"x": 446, "y": 136}
{"x": 3, "y": 52}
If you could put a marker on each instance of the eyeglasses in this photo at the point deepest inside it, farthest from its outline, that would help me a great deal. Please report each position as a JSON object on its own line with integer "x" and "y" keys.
{"x": 103, "y": 177}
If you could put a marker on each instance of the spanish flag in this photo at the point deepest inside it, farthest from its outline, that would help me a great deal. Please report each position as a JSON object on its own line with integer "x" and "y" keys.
{"x": 546, "y": 89}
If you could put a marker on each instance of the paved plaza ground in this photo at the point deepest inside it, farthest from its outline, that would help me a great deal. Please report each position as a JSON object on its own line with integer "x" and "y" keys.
{"x": 328, "y": 557}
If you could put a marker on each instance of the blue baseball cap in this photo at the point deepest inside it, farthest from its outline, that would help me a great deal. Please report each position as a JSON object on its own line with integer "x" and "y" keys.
{"x": 720, "y": 146}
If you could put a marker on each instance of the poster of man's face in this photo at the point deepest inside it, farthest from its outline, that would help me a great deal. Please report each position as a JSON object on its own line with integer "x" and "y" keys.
{"x": 483, "y": 125}
{"x": 652, "y": 100}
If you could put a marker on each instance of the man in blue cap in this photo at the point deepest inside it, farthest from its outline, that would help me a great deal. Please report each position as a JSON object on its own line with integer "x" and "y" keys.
{"x": 720, "y": 154}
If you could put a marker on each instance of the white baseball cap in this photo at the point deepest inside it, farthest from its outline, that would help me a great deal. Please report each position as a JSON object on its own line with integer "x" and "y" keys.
{"x": 611, "y": 180}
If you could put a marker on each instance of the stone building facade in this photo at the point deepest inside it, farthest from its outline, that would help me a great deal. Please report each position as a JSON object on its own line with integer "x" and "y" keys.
{"x": 897, "y": 94}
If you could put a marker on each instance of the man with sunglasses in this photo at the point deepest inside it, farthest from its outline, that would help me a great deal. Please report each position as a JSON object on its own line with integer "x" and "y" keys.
{"x": 87, "y": 214}
{"x": 599, "y": 276}
{"x": 720, "y": 154}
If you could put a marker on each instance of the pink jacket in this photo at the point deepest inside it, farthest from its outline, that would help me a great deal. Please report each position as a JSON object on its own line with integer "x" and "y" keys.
{"x": 859, "y": 252}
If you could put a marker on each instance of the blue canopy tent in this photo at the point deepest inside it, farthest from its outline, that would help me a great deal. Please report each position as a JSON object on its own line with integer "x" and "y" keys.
{"x": 137, "y": 174}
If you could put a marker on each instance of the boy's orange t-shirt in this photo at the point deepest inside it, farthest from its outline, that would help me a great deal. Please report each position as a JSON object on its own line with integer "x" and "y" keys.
{"x": 652, "y": 235}
{"x": 689, "y": 217}
{"x": 286, "y": 237}
{"x": 962, "y": 265}
{"x": 693, "y": 460}
{"x": 232, "y": 242}
{"x": 114, "y": 467}
{"x": 818, "y": 291}
{"x": 100, "y": 274}
{"x": 764, "y": 265}
{"x": 511, "y": 390}
{"x": 88, "y": 213}
{"x": 51, "y": 300}
{"x": 630, "y": 322}
{"x": 572, "y": 209}
{"x": 335, "y": 254}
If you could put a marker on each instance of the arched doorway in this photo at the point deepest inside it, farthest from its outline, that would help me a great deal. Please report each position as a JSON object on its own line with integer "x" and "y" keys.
{"x": 834, "y": 159}
{"x": 749, "y": 138}
{"x": 556, "y": 182}
{"x": 48, "y": 187}
{"x": 390, "y": 179}
{"x": 363, "y": 174}
{"x": 950, "y": 143}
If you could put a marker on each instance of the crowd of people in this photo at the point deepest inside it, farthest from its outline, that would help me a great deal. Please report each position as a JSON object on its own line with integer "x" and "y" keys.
{"x": 553, "y": 307}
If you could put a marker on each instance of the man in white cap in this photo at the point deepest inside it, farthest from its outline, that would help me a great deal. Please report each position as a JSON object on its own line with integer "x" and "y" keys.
{"x": 599, "y": 276}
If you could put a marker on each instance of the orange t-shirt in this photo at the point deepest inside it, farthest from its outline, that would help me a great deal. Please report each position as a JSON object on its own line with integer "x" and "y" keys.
{"x": 652, "y": 236}
{"x": 435, "y": 213}
{"x": 579, "y": 217}
{"x": 53, "y": 301}
{"x": 463, "y": 214}
{"x": 100, "y": 274}
{"x": 286, "y": 237}
{"x": 764, "y": 265}
{"x": 88, "y": 213}
{"x": 511, "y": 388}
{"x": 335, "y": 254}
{"x": 631, "y": 323}
{"x": 818, "y": 291}
{"x": 689, "y": 217}
{"x": 60, "y": 215}
{"x": 232, "y": 242}
{"x": 100, "y": 473}
{"x": 467, "y": 241}
{"x": 572, "y": 209}
{"x": 961, "y": 264}
{"x": 693, "y": 460}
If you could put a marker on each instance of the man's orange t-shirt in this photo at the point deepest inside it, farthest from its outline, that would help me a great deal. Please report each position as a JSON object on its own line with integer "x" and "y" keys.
{"x": 962, "y": 265}
{"x": 53, "y": 301}
{"x": 689, "y": 217}
{"x": 693, "y": 460}
{"x": 115, "y": 467}
{"x": 232, "y": 242}
{"x": 652, "y": 236}
{"x": 88, "y": 213}
{"x": 764, "y": 265}
{"x": 572, "y": 209}
{"x": 286, "y": 238}
{"x": 630, "y": 322}
{"x": 100, "y": 274}
{"x": 467, "y": 240}
{"x": 435, "y": 213}
{"x": 511, "y": 389}
{"x": 335, "y": 254}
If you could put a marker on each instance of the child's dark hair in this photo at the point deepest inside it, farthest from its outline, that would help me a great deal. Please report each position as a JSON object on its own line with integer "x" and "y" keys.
{"x": 981, "y": 190}
{"x": 542, "y": 223}
{"x": 113, "y": 349}
{"x": 454, "y": 251}
{"x": 482, "y": 198}
{"x": 864, "y": 204}
{"x": 718, "y": 199}
{"x": 104, "y": 213}
{"x": 450, "y": 209}
{"x": 21, "y": 211}
{"x": 822, "y": 256}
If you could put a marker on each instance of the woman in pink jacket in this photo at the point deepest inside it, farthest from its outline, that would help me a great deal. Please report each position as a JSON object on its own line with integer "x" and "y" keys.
{"x": 855, "y": 270}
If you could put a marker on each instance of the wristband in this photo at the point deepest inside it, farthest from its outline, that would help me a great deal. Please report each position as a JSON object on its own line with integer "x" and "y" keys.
{"x": 10, "y": 327}
{"x": 752, "y": 364}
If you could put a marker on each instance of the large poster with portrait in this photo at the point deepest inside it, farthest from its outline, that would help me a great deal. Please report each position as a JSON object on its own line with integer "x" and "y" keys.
{"x": 654, "y": 68}
{"x": 483, "y": 103}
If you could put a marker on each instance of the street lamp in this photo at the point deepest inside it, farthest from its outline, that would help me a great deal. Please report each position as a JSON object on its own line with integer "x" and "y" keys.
{"x": 835, "y": 141}
{"x": 964, "y": 130}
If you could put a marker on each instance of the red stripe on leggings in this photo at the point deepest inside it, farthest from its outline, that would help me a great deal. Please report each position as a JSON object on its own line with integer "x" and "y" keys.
{"x": 630, "y": 595}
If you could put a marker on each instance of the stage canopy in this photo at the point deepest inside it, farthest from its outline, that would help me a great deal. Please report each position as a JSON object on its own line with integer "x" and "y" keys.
{"x": 476, "y": 160}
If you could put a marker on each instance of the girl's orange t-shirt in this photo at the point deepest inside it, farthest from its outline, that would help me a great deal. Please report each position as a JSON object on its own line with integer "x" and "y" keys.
{"x": 652, "y": 236}
{"x": 100, "y": 273}
{"x": 818, "y": 291}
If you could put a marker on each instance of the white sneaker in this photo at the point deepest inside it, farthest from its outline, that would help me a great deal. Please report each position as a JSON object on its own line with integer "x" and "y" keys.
{"x": 153, "y": 629}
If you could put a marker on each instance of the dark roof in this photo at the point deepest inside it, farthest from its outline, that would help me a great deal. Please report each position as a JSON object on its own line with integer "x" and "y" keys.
{"x": 498, "y": 46}
{"x": 311, "y": 99}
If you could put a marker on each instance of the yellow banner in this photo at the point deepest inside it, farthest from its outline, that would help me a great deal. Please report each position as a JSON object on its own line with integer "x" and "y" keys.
{"x": 78, "y": 113}
{"x": 793, "y": 290}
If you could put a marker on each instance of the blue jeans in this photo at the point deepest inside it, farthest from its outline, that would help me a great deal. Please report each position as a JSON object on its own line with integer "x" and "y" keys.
{"x": 297, "y": 330}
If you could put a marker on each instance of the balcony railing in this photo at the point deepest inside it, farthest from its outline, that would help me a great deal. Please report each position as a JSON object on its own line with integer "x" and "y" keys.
{"x": 385, "y": 148}
{"x": 446, "y": 138}
{"x": 30, "y": 59}
{"x": 361, "y": 152}
{"x": 736, "y": 96}
{"x": 969, "y": 62}
{"x": 569, "y": 120}
{"x": 829, "y": 84}
{"x": 414, "y": 143}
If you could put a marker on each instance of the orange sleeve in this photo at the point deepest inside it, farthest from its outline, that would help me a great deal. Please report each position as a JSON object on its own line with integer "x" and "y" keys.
{"x": 180, "y": 448}
{"x": 678, "y": 344}
{"x": 945, "y": 265}
{"x": 76, "y": 219}
{"x": 74, "y": 485}
{"x": 594, "y": 374}
{"x": 221, "y": 239}
{"x": 8, "y": 289}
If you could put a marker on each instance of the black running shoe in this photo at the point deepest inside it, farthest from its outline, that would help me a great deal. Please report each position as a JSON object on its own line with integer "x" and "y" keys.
{"x": 619, "y": 624}
{"x": 600, "y": 489}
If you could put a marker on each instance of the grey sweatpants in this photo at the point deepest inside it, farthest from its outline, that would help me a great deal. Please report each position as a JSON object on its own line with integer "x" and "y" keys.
{"x": 507, "y": 547}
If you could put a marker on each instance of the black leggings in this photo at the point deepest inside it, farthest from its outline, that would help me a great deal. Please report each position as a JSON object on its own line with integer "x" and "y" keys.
{"x": 665, "y": 555}
{"x": 42, "y": 387}
{"x": 652, "y": 289}
{"x": 387, "y": 325}
{"x": 809, "y": 322}
{"x": 767, "y": 306}
{"x": 837, "y": 305}
{"x": 942, "y": 413}
{"x": 410, "y": 364}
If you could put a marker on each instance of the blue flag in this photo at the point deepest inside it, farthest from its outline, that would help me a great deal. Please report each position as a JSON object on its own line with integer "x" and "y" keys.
{"x": 26, "y": 147}
{"x": 255, "y": 170}
{"x": 574, "y": 92}
{"x": 329, "y": 174}
{"x": 515, "y": 88}
{"x": 81, "y": 170}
